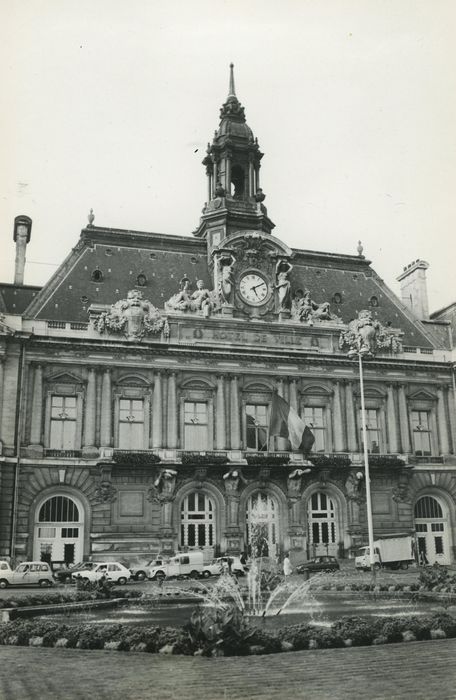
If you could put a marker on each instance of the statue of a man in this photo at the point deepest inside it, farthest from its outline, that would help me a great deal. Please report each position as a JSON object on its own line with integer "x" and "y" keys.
{"x": 201, "y": 299}
{"x": 181, "y": 300}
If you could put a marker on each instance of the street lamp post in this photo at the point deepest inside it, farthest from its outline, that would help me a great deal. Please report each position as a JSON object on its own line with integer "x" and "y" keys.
{"x": 363, "y": 337}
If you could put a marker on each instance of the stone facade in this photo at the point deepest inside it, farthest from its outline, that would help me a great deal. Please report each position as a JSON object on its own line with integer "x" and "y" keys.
{"x": 136, "y": 386}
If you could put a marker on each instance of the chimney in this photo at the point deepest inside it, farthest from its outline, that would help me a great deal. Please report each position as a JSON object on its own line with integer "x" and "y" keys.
{"x": 414, "y": 288}
{"x": 22, "y": 231}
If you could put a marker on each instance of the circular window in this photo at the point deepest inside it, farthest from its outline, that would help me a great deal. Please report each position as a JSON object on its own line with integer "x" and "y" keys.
{"x": 373, "y": 301}
{"x": 337, "y": 298}
{"x": 141, "y": 280}
{"x": 84, "y": 299}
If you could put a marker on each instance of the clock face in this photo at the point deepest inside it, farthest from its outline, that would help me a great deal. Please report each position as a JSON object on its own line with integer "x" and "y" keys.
{"x": 253, "y": 289}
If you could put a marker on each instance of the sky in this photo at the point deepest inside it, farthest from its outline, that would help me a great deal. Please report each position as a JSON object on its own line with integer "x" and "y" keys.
{"x": 109, "y": 105}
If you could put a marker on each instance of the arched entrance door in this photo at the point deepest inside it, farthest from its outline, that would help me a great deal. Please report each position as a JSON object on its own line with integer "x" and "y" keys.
{"x": 322, "y": 525}
{"x": 262, "y": 525}
{"x": 59, "y": 530}
{"x": 197, "y": 528}
{"x": 432, "y": 530}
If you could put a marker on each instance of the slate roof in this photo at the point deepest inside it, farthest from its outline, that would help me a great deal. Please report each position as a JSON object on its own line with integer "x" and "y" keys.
{"x": 15, "y": 298}
{"x": 120, "y": 256}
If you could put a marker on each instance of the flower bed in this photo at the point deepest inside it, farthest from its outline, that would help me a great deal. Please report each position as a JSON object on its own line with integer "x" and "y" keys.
{"x": 227, "y": 633}
{"x": 75, "y": 596}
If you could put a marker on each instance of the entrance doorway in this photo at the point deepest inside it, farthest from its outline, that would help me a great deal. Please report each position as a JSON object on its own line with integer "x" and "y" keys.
{"x": 262, "y": 522}
{"x": 322, "y": 528}
{"x": 59, "y": 531}
{"x": 432, "y": 531}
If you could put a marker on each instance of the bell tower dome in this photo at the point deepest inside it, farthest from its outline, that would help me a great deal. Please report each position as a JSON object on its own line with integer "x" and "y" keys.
{"x": 234, "y": 196}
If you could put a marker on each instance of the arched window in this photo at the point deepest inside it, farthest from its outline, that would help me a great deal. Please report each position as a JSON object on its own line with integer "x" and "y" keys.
{"x": 428, "y": 507}
{"x": 322, "y": 524}
{"x": 59, "y": 509}
{"x": 238, "y": 180}
{"x": 197, "y": 521}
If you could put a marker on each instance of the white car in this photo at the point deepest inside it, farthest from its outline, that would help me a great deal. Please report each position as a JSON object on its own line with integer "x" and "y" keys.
{"x": 112, "y": 570}
{"x": 28, "y": 573}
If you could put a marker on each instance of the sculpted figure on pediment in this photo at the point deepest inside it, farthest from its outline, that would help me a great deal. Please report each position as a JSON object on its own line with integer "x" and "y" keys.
{"x": 133, "y": 316}
{"x": 180, "y": 301}
{"x": 365, "y": 335}
{"x": 305, "y": 310}
{"x": 201, "y": 299}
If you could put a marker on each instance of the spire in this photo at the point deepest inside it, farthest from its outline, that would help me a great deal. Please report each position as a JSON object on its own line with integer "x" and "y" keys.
{"x": 231, "y": 90}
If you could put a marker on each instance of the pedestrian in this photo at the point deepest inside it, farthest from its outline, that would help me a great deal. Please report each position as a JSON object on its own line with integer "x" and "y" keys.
{"x": 230, "y": 565}
{"x": 287, "y": 570}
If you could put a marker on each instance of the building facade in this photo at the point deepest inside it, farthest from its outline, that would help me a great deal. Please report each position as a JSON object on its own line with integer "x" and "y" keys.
{"x": 136, "y": 388}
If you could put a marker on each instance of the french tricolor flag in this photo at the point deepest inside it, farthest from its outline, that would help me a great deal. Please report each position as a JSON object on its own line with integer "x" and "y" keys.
{"x": 286, "y": 423}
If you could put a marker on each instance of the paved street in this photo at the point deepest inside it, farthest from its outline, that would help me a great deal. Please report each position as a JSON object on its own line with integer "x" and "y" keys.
{"x": 420, "y": 670}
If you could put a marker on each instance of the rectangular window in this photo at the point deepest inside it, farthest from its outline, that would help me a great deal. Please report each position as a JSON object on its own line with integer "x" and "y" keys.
{"x": 131, "y": 424}
{"x": 70, "y": 532}
{"x": 315, "y": 419}
{"x": 196, "y": 428}
{"x": 372, "y": 430}
{"x": 421, "y": 432}
{"x": 63, "y": 422}
{"x": 438, "y": 541}
{"x": 257, "y": 427}
{"x": 46, "y": 532}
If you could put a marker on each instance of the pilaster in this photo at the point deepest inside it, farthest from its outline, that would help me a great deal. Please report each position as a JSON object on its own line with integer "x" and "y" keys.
{"x": 391, "y": 420}
{"x": 172, "y": 411}
{"x": 37, "y": 412}
{"x": 89, "y": 448}
{"x": 442, "y": 422}
{"x": 339, "y": 440}
{"x": 404, "y": 421}
{"x": 235, "y": 414}
{"x": 157, "y": 412}
{"x": 220, "y": 432}
{"x": 352, "y": 440}
{"x": 106, "y": 410}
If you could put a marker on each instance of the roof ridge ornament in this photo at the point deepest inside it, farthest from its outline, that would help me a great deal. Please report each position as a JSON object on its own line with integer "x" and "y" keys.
{"x": 231, "y": 89}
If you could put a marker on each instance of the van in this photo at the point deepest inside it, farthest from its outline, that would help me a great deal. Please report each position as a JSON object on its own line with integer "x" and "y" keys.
{"x": 184, "y": 564}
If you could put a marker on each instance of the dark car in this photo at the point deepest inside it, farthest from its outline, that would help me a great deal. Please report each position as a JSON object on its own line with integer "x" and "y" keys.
{"x": 323, "y": 563}
{"x": 64, "y": 575}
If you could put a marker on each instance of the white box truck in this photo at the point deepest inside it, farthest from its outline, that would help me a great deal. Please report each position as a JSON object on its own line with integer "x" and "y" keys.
{"x": 390, "y": 551}
{"x": 184, "y": 564}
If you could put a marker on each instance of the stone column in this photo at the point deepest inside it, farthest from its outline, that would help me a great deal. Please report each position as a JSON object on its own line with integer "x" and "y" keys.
{"x": 157, "y": 412}
{"x": 220, "y": 432}
{"x": 172, "y": 411}
{"x": 293, "y": 394}
{"x": 339, "y": 442}
{"x": 214, "y": 177}
{"x": 452, "y": 414}
{"x": 37, "y": 408}
{"x": 251, "y": 179}
{"x": 228, "y": 173}
{"x": 209, "y": 183}
{"x": 281, "y": 444}
{"x": 235, "y": 414}
{"x": 404, "y": 421}
{"x": 106, "y": 410}
{"x": 351, "y": 420}
{"x": 1, "y": 395}
{"x": 90, "y": 413}
{"x": 442, "y": 421}
{"x": 391, "y": 420}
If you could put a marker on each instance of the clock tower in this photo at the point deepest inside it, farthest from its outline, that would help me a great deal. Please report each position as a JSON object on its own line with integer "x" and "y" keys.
{"x": 234, "y": 196}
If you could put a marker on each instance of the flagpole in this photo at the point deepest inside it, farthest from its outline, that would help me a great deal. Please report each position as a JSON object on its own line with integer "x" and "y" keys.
{"x": 370, "y": 526}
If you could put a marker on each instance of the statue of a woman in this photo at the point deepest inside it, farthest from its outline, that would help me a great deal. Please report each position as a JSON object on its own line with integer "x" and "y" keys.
{"x": 283, "y": 284}
{"x": 226, "y": 285}
{"x": 181, "y": 300}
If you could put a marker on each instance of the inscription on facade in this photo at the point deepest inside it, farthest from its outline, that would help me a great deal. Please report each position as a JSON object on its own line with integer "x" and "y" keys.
{"x": 249, "y": 337}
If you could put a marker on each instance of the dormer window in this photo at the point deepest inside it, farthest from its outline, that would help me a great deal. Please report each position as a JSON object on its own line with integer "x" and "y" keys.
{"x": 97, "y": 276}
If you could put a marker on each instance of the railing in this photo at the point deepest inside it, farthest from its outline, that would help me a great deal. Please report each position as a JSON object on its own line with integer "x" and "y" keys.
{"x": 420, "y": 459}
{"x": 63, "y": 454}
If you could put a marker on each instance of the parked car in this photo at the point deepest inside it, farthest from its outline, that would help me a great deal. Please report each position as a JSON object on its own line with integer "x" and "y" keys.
{"x": 140, "y": 571}
{"x": 237, "y": 567}
{"x": 29, "y": 573}
{"x": 112, "y": 570}
{"x": 184, "y": 564}
{"x": 322, "y": 563}
{"x": 64, "y": 574}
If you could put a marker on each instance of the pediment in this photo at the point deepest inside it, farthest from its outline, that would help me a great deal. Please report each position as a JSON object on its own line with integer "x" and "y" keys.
{"x": 422, "y": 395}
{"x": 64, "y": 378}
